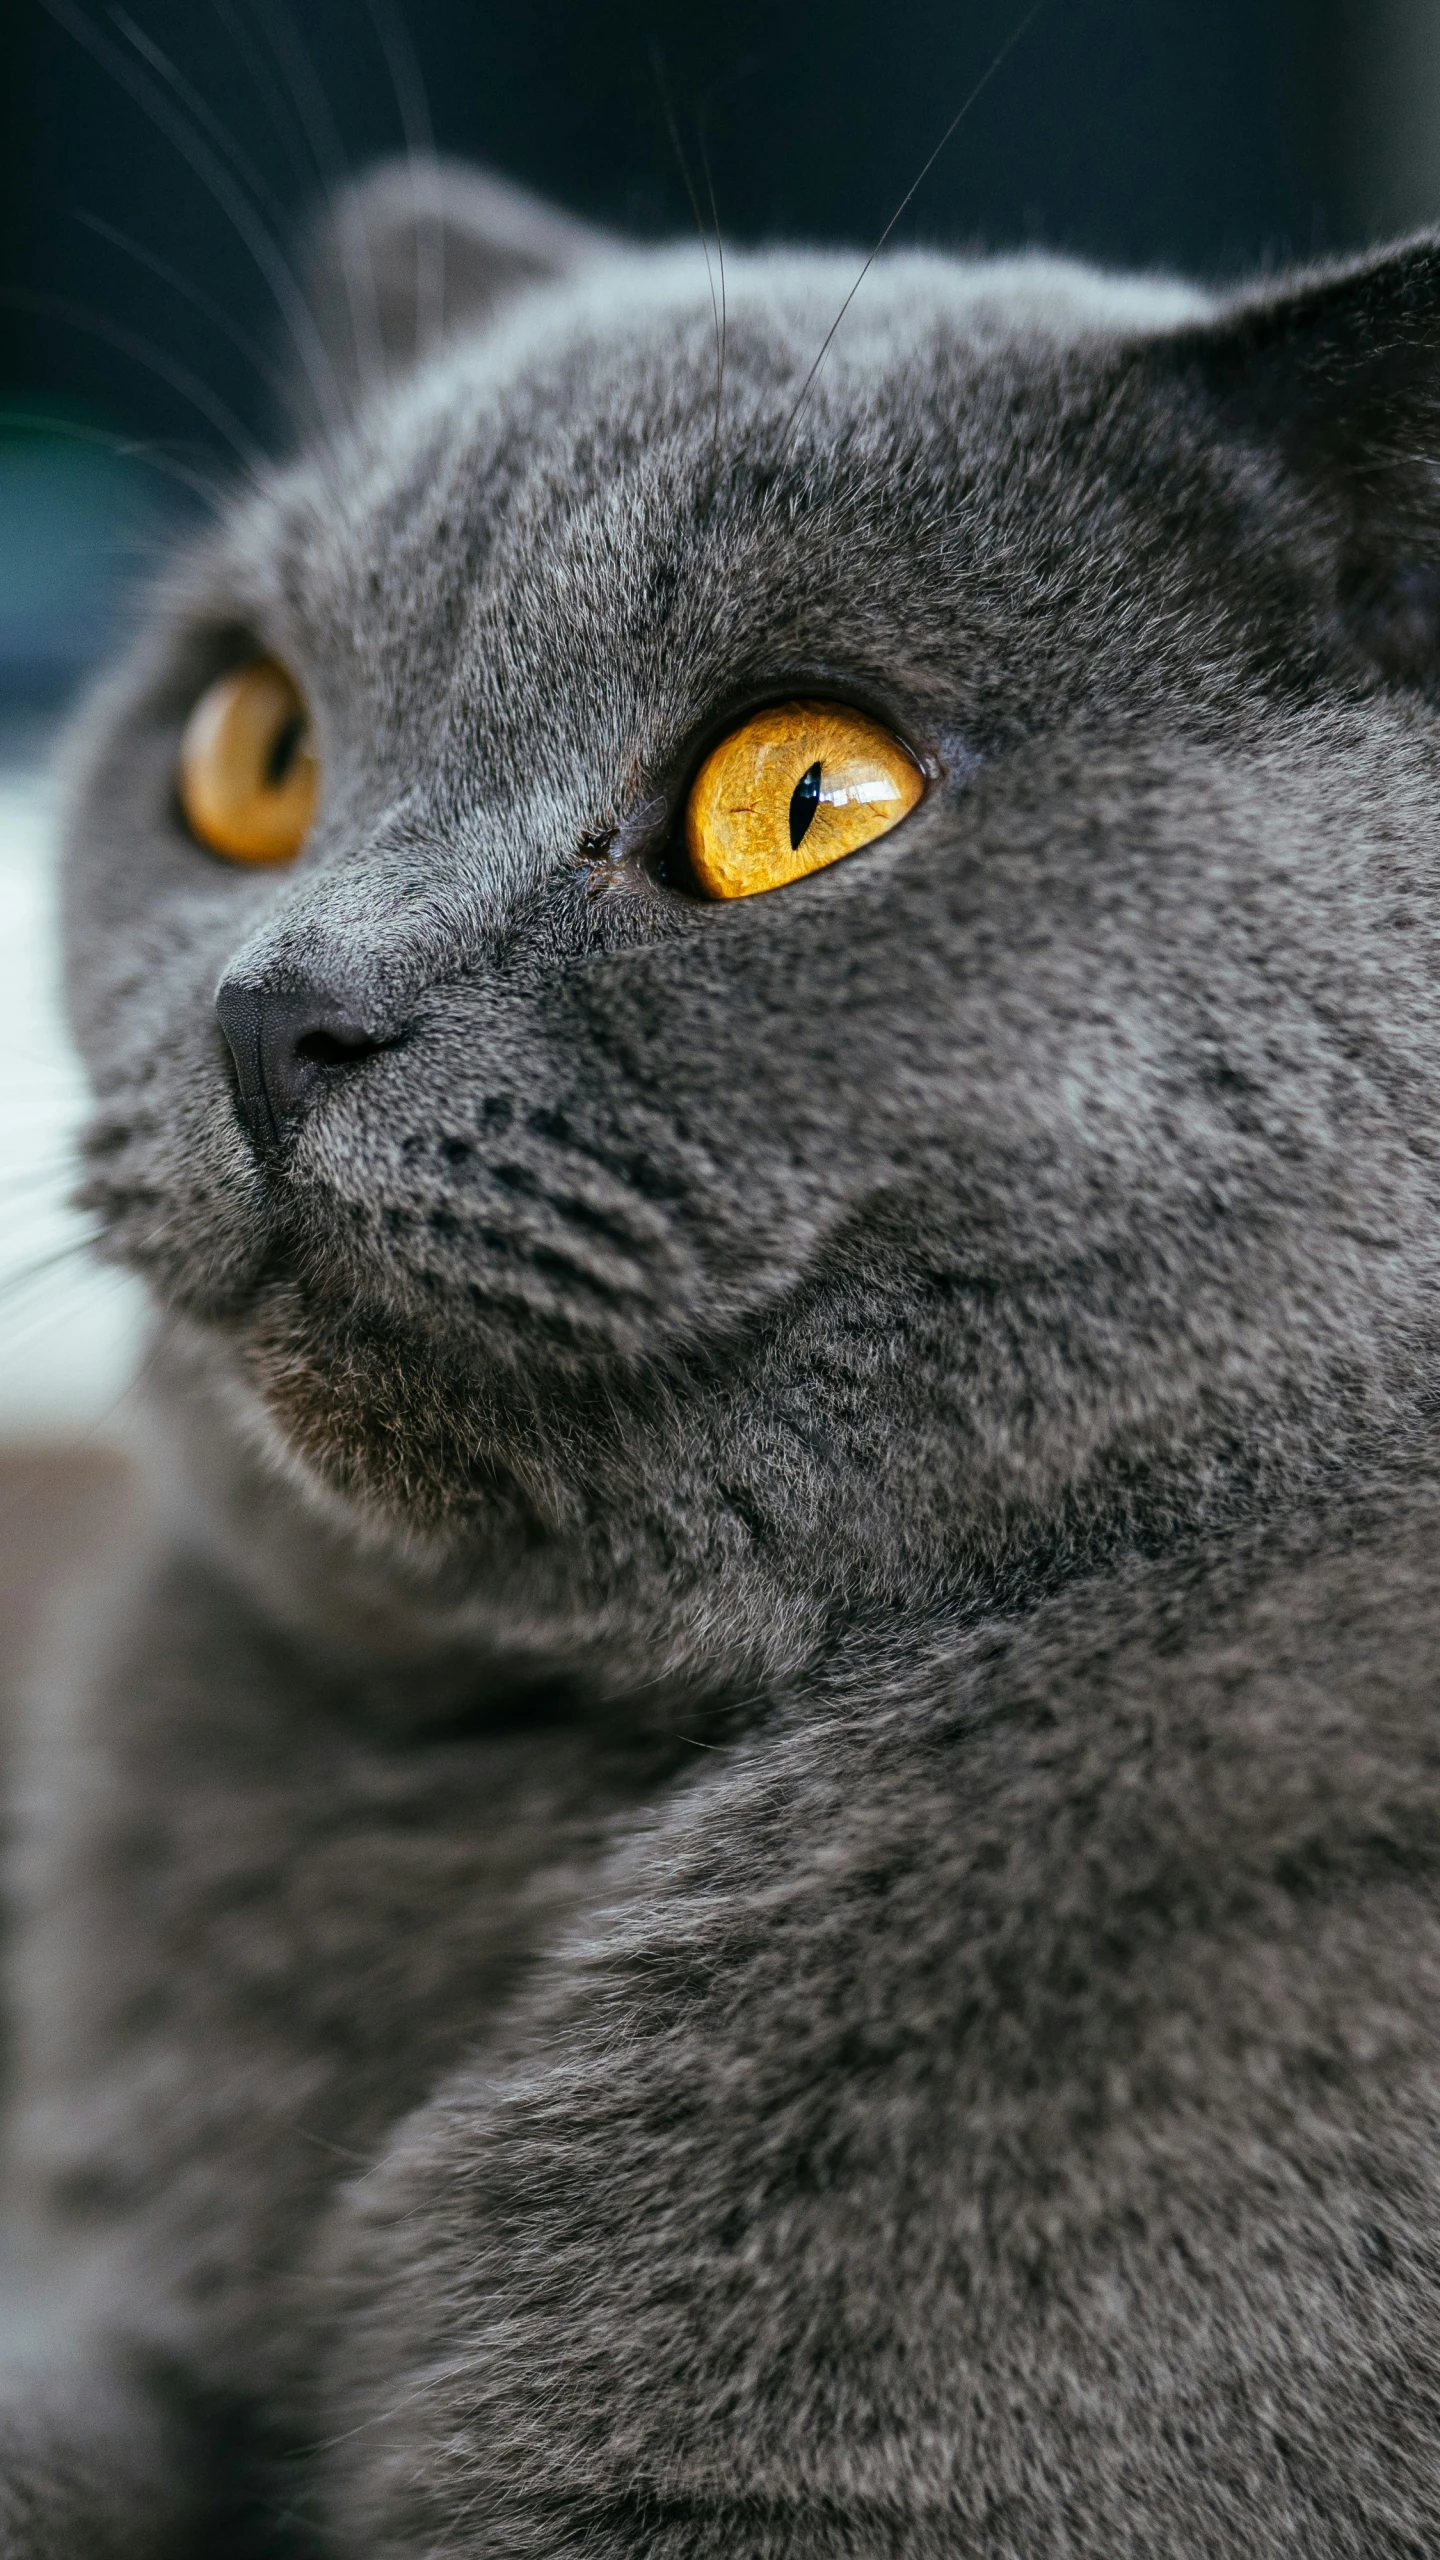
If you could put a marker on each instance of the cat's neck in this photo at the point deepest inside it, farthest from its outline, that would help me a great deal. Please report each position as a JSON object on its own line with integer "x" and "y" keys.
{"x": 415, "y": 1633}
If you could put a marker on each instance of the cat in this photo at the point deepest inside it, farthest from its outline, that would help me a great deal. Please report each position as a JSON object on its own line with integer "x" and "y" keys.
{"x": 753, "y": 1864}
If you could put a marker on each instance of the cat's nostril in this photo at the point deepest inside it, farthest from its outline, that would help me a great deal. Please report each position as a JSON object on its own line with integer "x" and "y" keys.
{"x": 287, "y": 1044}
{"x": 336, "y": 1047}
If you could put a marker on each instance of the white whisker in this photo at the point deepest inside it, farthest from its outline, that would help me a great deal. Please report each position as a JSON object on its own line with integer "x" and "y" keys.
{"x": 126, "y": 448}
{"x": 143, "y": 351}
{"x": 195, "y": 107}
{"x": 916, "y": 183}
{"x": 322, "y": 139}
{"x": 277, "y": 106}
{"x": 204, "y": 303}
{"x": 295, "y": 311}
{"x": 419, "y": 134}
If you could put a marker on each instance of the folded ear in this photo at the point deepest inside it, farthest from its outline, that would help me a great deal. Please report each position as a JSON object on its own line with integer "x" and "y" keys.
{"x": 416, "y": 252}
{"x": 1340, "y": 369}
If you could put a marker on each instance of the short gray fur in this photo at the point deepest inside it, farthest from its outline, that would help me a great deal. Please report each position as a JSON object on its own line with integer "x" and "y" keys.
{"x": 754, "y": 1868}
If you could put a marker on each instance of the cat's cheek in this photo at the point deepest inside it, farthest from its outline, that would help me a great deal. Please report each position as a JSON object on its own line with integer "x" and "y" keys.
{"x": 177, "y": 1200}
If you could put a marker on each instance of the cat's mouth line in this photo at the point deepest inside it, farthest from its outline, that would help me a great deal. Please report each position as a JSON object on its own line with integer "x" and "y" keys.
{"x": 556, "y": 1259}
{"x": 486, "y": 1268}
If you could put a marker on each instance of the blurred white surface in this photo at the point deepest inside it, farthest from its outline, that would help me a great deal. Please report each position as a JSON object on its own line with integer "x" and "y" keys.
{"x": 69, "y": 1328}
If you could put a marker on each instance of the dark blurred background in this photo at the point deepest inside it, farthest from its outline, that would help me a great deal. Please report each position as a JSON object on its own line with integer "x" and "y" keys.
{"x": 145, "y": 150}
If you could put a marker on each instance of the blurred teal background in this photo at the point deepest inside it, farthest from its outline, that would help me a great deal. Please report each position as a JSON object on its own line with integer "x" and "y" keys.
{"x": 80, "y": 524}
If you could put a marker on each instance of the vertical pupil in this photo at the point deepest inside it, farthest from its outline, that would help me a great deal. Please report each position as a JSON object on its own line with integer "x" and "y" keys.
{"x": 804, "y": 801}
{"x": 282, "y": 753}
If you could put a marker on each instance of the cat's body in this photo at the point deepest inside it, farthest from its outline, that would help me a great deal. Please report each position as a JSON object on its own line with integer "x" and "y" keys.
{"x": 755, "y": 1871}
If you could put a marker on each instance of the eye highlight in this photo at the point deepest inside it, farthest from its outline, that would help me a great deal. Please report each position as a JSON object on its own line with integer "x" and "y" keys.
{"x": 248, "y": 775}
{"x": 791, "y": 790}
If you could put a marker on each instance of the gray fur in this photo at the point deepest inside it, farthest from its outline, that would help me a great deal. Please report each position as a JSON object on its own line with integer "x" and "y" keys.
{"x": 753, "y": 1869}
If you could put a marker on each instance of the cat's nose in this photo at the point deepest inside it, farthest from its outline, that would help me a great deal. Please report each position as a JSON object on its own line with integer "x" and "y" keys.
{"x": 288, "y": 1044}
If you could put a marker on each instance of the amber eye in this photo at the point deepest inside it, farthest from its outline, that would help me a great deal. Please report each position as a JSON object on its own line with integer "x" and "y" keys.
{"x": 789, "y": 791}
{"x": 248, "y": 775}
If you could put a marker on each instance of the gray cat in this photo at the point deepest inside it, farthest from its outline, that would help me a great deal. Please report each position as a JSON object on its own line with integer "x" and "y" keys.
{"x": 755, "y": 1868}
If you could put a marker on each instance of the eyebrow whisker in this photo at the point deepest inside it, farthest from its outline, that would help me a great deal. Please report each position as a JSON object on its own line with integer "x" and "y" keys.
{"x": 916, "y": 183}
{"x": 662, "y": 84}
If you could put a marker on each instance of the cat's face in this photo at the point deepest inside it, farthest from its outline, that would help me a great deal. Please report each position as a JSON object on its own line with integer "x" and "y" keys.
{"x": 1057, "y": 1160}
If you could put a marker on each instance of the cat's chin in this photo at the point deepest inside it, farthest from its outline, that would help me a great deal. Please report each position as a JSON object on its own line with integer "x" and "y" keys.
{"x": 446, "y": 1562}
{"x": 426, "y": 1441}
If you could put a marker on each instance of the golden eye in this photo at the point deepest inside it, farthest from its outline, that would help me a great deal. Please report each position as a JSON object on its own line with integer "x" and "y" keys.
{"x": 791, "y": 790}
{"x": 248, "y": 777}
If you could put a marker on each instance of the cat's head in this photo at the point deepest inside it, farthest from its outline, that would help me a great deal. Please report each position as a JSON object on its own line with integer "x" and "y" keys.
{"x": 685, "y": 1269}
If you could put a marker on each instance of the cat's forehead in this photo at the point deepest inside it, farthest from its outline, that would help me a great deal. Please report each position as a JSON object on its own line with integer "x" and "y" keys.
{"x": 631, "y": 386}
{"x": 600, "y": 490}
